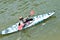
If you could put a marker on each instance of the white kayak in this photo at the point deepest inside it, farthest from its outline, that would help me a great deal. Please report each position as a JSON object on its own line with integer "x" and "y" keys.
{"x": 36, "y": 19}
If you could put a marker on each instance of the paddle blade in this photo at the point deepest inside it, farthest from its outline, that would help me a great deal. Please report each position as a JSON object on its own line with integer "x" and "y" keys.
{"x": 20, "y": 27}
{"x": 32, "y": 12}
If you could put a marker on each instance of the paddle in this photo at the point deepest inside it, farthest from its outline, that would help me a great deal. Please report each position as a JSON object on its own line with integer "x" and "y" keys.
{"x": 32, "y": 12}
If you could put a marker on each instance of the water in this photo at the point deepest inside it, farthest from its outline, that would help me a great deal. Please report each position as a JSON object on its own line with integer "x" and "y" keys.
{"x": 10, "y": 10}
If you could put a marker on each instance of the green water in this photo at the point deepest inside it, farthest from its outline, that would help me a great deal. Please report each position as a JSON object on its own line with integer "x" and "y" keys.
{"x": 10, "y": 10}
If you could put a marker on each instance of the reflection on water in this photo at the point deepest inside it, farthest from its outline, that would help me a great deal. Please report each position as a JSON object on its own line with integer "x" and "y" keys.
{"x": 47, "y": 30}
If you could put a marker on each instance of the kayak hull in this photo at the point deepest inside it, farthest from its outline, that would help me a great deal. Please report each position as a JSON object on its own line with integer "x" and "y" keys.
{"x": 36, "y": 19}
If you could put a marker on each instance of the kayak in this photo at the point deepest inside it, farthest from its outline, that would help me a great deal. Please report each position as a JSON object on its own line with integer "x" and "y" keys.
{"x": 36, "y": 19}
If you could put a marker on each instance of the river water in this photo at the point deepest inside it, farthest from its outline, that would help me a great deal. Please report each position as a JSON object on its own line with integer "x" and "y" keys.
{"x": 10, "y": 10}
